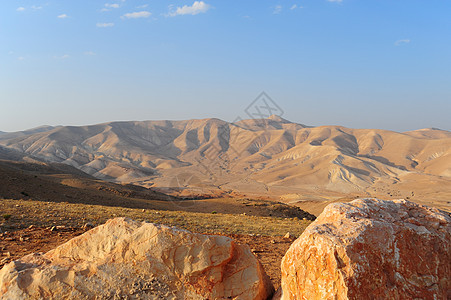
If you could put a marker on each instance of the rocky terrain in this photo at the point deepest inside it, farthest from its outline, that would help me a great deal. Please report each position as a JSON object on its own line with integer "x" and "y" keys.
{"x": 272, "y": 157}
{"x": 125, "y": 258}
{"x": 371, "y": 249}
{"x": 29, "y": 226}
{"x": 365, "y": 249}
{"x": 58, "y": 183}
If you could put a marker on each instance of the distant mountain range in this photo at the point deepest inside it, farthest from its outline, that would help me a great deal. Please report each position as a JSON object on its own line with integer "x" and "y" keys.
{"x": 266, "y": 156}
{"x": 11, "y": 135}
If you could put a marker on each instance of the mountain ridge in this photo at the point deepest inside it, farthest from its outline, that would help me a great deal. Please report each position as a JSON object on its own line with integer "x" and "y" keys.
{"x": 257, "y": 156}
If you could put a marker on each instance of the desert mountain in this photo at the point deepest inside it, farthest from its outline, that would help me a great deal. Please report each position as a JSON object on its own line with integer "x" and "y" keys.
{"x": 262, "y": 156}
{"x": 11, "y": 135}
{"x": 11, "y": 154}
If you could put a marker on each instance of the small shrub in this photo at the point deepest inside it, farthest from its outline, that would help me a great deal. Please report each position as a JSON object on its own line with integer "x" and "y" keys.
{"x": 25, "y": 194}
{"x": 214, "y": 212}
{"x": 6, "y": 217}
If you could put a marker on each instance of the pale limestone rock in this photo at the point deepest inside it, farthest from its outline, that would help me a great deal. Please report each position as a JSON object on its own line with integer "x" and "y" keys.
{"x": 371, "y": 249}
{"x": 125, "y": 259}
{"x": 288, "y": 235}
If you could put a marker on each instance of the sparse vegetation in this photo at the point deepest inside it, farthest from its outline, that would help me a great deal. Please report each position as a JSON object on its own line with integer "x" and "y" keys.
{"x": 47, "y": 214}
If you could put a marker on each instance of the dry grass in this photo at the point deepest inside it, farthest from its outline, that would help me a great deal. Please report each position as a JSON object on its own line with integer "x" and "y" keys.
{"x": 27, "y": 212}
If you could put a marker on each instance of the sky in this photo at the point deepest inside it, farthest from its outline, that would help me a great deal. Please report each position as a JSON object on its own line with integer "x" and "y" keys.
{"x": 357, "y": 63}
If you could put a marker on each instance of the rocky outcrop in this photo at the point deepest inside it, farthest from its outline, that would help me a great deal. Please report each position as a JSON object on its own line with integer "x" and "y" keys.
{"x": 371, "y": 249}
{"x": 125, "y": 259}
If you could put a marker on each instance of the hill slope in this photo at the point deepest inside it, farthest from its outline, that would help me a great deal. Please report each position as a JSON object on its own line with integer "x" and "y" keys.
{"x": 10, "y": 135}
{"x": 266, "y": 157}
{"x": 55, "y": 182}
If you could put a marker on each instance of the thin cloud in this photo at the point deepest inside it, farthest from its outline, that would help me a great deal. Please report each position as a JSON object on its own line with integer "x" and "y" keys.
{"x": 295, "y": 6}
{"x": 197, "y": 8}
{"x": 104, "y": 25}
{"x": 401, "y": 42}
{"x": 90, "y": 53}
{"x": 33, "y": 7}
{"x": 65, "y": 56}
{"x": 142, "y": 6}
{"x": 20, "y": 58}
{"x": 114, "y": 5}
{"x": 62, "y": 16}
{"x": 277, "y": 9}
{"x": 110, "y": 6}
{"x": 137, "y": 15}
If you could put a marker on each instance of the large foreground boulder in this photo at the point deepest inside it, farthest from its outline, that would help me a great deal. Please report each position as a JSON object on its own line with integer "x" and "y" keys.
{"x": 371, "y": 249}
{"x": 125, "y": 259}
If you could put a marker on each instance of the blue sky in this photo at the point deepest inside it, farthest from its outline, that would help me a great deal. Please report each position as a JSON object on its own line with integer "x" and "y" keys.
{"x": 363, "y": 64}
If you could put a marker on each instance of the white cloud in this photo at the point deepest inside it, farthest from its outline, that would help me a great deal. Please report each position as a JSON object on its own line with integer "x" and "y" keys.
{"x": 295, "y": 6}
{"x": 65, "y": 56}
{"x": 20, "y": 58}
{"x": 277, "y": 9}
{"x": 114, "y": 5}
{"x": 142, "y": 6}
{"x": 400, "y": 42}
{"x": 63, "y": 16}
{"x": 110, "y": 6}
{"x": 136, "y": 15}
{"x": 197, "y": 8}
{"x": 103, "y": 25}
{"x": 90, "y": 53}
{"x": 33, "y": 7}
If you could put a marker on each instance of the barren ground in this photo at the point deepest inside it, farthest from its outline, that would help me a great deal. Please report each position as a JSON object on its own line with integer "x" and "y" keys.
{"x": 35, "y": 226}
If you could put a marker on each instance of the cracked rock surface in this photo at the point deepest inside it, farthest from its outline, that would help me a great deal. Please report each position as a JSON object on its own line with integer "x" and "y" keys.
{"x": 125, "y": 259}
{"x": 371, "y": 249}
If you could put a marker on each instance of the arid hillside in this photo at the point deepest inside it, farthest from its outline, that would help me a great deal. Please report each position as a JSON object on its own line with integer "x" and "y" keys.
{"x": 60, "y": 183}
{"x": 267, "y": 157}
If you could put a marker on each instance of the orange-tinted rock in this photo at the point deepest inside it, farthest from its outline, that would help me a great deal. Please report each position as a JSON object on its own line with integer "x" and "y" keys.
{"x": 138, "y": 260}
{"x": 371, "y": 249}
